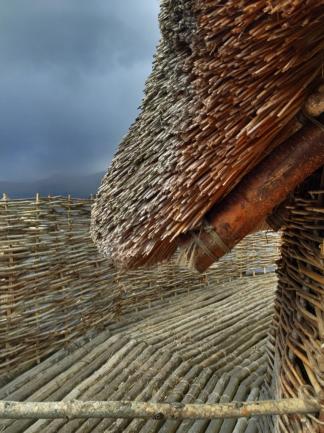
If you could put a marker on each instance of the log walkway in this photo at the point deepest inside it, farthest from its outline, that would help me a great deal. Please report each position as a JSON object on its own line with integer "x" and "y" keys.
{"x": 204, "y": 347}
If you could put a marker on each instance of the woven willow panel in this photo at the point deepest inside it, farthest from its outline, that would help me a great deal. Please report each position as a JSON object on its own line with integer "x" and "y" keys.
{"x": 297, "y": 331}
{"x": 54, "y": 286}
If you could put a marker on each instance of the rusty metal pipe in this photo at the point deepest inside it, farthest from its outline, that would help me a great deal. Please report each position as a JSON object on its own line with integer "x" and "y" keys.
{"x": 258, "y": 193}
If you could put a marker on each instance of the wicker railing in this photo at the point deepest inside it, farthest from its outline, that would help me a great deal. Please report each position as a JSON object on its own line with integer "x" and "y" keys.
{"x": 54, "y": 286}
{"x": 297, "y": 332}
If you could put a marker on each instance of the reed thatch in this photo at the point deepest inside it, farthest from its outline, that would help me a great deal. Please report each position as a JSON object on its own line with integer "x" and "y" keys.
{"x": 228, "y": 79}
{"x": 54, "y": 286}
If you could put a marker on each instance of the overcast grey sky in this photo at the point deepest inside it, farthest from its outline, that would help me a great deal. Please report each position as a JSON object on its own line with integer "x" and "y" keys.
{"x": 71, "y": 78}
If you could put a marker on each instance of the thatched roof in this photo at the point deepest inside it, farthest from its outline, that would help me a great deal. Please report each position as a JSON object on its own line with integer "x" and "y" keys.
{"x": 228, "y": 79}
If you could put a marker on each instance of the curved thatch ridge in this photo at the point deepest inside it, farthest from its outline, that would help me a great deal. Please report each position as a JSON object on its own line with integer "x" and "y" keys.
{"x": 227, "y": 80}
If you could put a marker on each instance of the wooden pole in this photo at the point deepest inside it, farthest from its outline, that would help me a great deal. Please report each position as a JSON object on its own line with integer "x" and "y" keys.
{"x": 257, "y": 194}
{"x": 131, "y": 409}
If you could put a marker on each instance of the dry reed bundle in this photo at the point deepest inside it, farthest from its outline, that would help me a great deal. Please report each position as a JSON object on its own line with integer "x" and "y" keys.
{"x": 54, "y": 286}
{"x": 227, "y": 81}
{"x": 297, "y": 355}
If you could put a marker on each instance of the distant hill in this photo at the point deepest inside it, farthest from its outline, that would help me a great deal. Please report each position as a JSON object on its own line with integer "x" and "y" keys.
{"x": 77, "y": 186}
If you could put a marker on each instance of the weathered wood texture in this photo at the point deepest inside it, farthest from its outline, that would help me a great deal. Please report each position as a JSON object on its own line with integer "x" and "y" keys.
{"x": 212, "y": 353}
{"x": 257, "y": 195}
{"x": 158, "y": 411}
{"x": 297, "y": 357}
{"x": 54, "y": 286}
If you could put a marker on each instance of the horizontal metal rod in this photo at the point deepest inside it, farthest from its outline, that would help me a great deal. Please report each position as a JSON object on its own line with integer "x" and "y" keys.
{"x": 131, "y": 409}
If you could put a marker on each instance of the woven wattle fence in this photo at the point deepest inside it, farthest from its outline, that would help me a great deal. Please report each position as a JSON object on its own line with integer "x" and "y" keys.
{"x": 296, "y": 354}
{"x": 54, "y": 286}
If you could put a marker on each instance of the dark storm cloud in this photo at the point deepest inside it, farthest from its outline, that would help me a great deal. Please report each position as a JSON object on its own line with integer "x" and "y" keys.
{"x": 71, "y": 78}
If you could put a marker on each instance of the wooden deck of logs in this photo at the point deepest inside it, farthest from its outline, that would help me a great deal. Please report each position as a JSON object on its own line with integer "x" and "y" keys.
{"x": 214, "y": 353}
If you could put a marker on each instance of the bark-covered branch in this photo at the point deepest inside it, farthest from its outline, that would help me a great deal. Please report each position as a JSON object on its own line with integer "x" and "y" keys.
{"x": 264, "y": 188}
{"x": 128, "y": 409}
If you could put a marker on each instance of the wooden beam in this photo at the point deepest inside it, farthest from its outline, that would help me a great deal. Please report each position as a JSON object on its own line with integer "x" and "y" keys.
{"x": 257, "y": 194}
{"x": 132, "y": 409}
